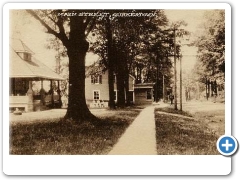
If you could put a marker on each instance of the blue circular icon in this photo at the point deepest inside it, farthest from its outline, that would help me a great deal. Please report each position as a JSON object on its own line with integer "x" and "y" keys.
{"x": 227, "y": 145}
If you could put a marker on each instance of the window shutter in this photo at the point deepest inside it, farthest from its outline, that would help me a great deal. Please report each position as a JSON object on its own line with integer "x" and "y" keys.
{"x": 100, "y": 79}
{"x": 92, "y": 79}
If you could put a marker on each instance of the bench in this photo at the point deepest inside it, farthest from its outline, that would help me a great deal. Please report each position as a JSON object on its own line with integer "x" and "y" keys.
{"x": 98, "y": 104}
{"x": 18, "y": 102}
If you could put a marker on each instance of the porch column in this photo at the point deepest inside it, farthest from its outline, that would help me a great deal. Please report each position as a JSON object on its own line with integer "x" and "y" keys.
{"x": 42, "y": 93}
{"x": 14, "y": 87}
{"x": 30, "y": 97}
{"x": 59, "y": 95}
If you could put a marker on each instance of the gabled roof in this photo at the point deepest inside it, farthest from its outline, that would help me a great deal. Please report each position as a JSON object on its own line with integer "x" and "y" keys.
{"x": 34, "y": 69}
{"x": 19, "y": 46}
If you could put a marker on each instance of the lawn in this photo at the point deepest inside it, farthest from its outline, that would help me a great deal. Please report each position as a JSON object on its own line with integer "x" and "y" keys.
{"x": 61, "y": 137}
{"x": 195, "y": 134}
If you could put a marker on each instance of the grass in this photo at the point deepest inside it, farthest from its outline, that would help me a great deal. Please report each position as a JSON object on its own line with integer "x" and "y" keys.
{"x": 63, "y": 137}
{"x": 173, "y": 111}
{"x": 186, "y": 136}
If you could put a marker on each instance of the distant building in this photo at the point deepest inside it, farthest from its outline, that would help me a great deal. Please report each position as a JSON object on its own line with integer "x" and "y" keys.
{"x": 143, "y": 93}
{"x": 97, "y": 89}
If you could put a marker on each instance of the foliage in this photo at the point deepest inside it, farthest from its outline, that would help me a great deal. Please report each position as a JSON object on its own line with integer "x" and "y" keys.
{"x": 126, "y": 43}
{"x": 211, "y": 47}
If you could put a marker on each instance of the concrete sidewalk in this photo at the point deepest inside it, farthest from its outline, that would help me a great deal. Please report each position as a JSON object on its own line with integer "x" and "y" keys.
{"x": 140, "y": 137}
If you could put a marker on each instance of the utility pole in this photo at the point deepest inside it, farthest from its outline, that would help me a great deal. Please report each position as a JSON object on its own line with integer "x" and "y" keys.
{"x": 163, "y": 89}
{"x": 156, "y": 94}
{"x": 175, "y": 72}
{"x": 181, "y": 83}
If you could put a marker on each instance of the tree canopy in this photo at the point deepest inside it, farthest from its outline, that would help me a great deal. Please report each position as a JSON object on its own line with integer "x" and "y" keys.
{"x": 211, "y": 46}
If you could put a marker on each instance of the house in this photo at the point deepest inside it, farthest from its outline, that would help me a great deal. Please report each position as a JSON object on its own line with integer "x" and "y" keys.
{"x": 97, "y": 89}
{"x": 24, "y": 70}
{"x": 143, "y": 93}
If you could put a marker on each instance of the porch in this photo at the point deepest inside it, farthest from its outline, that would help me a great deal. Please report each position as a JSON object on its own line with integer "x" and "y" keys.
{"x": 30, "y": 100}
{"x": 25, "y": 70}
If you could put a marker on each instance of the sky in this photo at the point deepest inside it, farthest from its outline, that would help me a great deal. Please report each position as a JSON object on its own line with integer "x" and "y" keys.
{"x": 30, "y": 31}
{"x": 194, "y": 19}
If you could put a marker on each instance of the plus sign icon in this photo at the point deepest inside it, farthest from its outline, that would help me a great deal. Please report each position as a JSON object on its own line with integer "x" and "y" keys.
{"x": 227, "y": 145}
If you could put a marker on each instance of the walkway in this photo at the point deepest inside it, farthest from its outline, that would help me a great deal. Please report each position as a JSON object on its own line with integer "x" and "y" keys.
{"x": 139, "y": 138}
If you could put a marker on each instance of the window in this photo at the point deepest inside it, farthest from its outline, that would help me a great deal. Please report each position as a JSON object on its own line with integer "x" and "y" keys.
{"x": 96, "y": 79}
{"x": 96, "y": 95}
{"x": 115, "y": 95}
{"x": 130, "y": 95}
{"x": 27, "y": 56}
{"x": 149, "y": 94}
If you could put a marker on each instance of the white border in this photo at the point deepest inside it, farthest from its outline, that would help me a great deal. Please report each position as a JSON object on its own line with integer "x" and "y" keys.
{"x": 114, "y": 165}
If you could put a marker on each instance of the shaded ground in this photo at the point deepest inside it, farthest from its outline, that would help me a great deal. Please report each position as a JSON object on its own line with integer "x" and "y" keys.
{"x": 194, "y": 134}
{"x": 46, "y": 133}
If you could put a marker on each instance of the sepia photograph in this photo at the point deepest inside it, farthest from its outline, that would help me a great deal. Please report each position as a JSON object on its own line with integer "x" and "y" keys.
{"x": 116, "y": 81}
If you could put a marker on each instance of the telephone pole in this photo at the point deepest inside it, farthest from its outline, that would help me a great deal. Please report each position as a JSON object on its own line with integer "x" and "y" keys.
{"x": 163, "y": 89}
{"x": 181, "y": 83}
{"x": 157, "y": 60}
{"x": 175, "y": 71}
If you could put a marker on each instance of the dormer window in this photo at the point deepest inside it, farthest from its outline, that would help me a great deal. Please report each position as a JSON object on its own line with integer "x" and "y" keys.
{"x": 27, "y": 56}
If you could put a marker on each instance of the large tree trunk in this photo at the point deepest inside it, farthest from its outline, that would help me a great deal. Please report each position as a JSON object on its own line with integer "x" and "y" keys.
{"x": 121, "y": 92}
{"x": 76, "y": 50}
{"x": 120, "y": 81}
{"x": 110, "y": 66}
{"x": 126, "y": 79}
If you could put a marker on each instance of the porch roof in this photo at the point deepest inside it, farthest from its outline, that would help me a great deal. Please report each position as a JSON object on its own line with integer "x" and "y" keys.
{"x": 144, "y": 86}
{"x": 33, "y": 69}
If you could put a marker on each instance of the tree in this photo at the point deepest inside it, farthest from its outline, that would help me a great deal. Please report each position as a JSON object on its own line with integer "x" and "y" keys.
{"x": 211, "y": 47}
{"x": 163, "y": 45}
{"x": 132, "y": 42}
{"x": 102, "y": 46}
{"x": 159, "y": 64}
{"x": 124, "y": 38}
{"x": 71, "y": 27}
{"x": 211, "y": 52}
